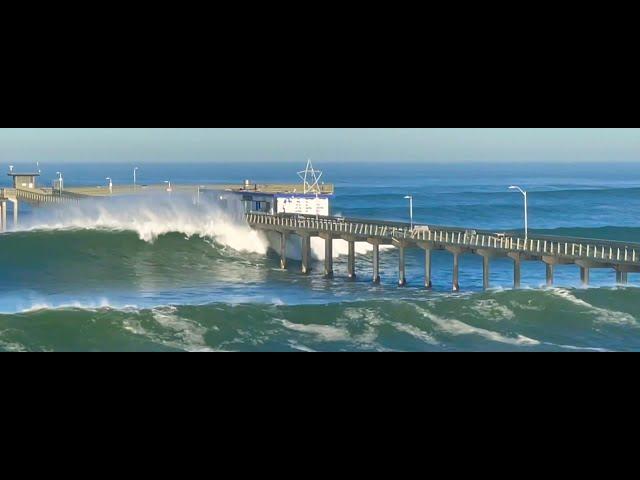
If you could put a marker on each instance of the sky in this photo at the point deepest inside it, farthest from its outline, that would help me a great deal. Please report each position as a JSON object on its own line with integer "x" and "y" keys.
{"x": 60, "y": 145}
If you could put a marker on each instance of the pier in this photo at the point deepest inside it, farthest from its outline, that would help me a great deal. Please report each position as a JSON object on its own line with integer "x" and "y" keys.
{"x": 586, "y": 254}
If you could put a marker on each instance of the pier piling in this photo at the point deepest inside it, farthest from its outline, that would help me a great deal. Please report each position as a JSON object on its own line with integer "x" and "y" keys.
{"x": 402, "y": 273}
{"x": 456, "y": 271}
{"x": 376, "y": 262}
{"x": 550, "y": 274}
{"x": 351, "y": 262}
{"x": 3, "y": 215}
{"x": 427, "y": 269}
{"x": 517, "y": 271}
{"x": 283, "y": 251}
{"x": 456, "y": 251}
{"x": 486, "y": 272}
{"x": 584, "y": 276}
{"x": 328, "y": 256}
{"x": 306, "y": 254}
{"x": 622, "y": 278}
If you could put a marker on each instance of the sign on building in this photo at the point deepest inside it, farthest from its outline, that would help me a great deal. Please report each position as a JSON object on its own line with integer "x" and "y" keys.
{"x": 304, "y": 204}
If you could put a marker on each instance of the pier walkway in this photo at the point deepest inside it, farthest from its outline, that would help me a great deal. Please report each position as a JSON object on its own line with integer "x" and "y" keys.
{"x": 623, "y": 258}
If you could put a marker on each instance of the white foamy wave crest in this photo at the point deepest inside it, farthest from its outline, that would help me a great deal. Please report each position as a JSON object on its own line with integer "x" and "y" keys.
{"x": 324, "y": 333}
{"x": 102, "y": 304}
{"x": 602, "y": 314}
{"x": 492, "y": 310}
{"x": 151, "y": 217}
{"x": 456, "y": 327}
{"x": 6, "y": 346}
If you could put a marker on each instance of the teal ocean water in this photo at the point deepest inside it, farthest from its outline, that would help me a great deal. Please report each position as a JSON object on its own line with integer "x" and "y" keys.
{"x": 160, "y": 274}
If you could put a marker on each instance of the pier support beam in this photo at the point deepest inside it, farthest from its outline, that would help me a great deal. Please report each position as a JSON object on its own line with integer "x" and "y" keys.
{"x": 456, "y": 272}
{"x": 376, "y": 262}
{"x": 587, "y": 265}
{"x": 487, "y": 255}
{"x": 622, "y": 278}
{"x": 402, "y": 272}
{"x": 306, "y": 254}
{"x": 517, "y": 269}
{"x": 428, "y": 253}
{"x": 550, "y": 274}
{"x": 351, "y": 261}
{"x": 584, "y": 276}
{"x": 427, "y": 269}
{"x": 15, "y": 212}
{"x": 517, "y": 266}
{"x": 551, "y": 263}
{"x": 456, "y": 267}
{"x": 328, "y": 256}
{"x": 486, "y": 272}
{"x": 3, "y": 215}
{"x": 283, "y": 250}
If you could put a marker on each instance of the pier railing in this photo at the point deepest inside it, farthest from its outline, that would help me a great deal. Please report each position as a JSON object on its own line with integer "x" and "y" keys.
{"x": 46, "y": 196}
{"x": 600, "y": 251}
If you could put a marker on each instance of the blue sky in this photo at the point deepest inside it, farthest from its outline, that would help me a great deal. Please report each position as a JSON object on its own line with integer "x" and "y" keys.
{"x": 322, "y": 144}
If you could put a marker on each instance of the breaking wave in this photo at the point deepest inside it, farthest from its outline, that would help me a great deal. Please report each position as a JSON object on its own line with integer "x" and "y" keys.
{"x": 150, "y": 218}
{"x": 581, "y": 320}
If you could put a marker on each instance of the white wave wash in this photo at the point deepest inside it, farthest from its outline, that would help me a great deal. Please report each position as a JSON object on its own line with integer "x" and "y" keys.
{"x": 150, "y": 218}
{"x": 456, "y": 327}
{"x": 602, "y": 315}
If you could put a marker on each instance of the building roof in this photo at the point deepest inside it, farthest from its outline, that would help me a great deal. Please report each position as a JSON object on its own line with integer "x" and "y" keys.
{"x": 279, "y": 188}
{"x": 14, "y": 174}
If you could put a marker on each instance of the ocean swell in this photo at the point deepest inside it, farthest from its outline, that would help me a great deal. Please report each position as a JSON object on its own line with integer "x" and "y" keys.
{"x": 574, "y": 321}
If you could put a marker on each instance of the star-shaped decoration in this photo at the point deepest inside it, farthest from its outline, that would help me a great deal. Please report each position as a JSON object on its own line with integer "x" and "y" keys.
{"x": 311, "y": 178}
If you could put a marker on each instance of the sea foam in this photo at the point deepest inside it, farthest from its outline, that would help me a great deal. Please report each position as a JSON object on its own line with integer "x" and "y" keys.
{"x": 151, "y": 217}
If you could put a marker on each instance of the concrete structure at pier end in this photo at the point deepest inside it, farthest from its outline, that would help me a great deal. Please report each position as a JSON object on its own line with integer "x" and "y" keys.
{"x": 21, "y": 182}
{"x": 24, "y": 180}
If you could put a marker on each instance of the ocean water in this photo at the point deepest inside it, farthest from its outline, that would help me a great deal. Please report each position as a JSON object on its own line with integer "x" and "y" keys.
{"x": 160, "y": 274}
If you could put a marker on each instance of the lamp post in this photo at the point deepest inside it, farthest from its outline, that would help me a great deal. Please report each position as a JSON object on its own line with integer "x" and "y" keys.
{"x": 200, "y": 187}
{"x": 135, "y": 170}
{"x": 410, "y": 198}
{"x": 526, "y": 210}
{"x": 60, "y": 182}
{"x": 110, "y": 185}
